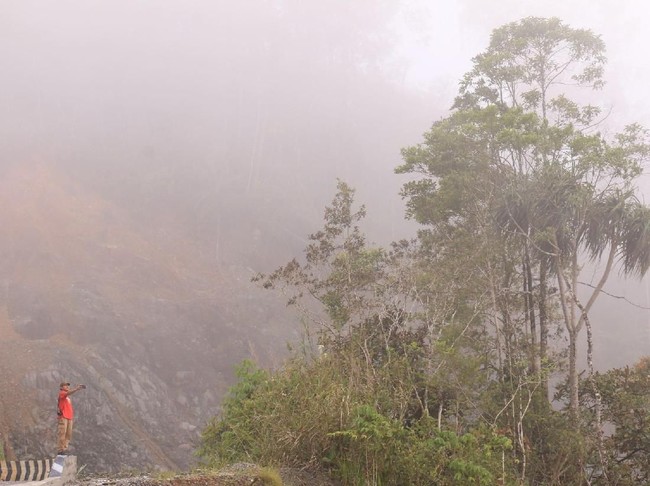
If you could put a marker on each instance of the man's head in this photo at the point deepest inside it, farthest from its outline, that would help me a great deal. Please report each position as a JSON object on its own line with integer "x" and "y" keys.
{"x": 63, "y": 385}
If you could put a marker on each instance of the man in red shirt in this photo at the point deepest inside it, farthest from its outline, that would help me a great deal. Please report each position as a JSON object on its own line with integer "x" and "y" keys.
{"x": 65, "y": 415}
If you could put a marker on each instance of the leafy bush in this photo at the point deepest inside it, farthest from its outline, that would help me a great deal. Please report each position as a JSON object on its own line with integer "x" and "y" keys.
{"x": 310, "y": 414}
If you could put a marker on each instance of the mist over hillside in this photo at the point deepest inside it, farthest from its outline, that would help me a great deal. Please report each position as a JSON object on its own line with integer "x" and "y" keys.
{"x": 155, "y": 155}
{"x": 218, "y": 113}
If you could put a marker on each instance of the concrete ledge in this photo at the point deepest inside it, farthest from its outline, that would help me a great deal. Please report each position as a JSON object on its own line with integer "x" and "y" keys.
{"x": 64, "y": 470}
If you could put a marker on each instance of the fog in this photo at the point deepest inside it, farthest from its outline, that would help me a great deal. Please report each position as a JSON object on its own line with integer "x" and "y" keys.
{"x": 237, "y": 117}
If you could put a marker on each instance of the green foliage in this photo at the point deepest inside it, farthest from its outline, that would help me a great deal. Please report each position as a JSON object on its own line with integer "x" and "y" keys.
{"x": 625, "y": 394}
{"x": 232, "y": 437}
{"x": 340, "y": 271}
{"x": 558, "y": 449}
{"x": 529, "y": 57}
{"x": 366, "y": 451}
{"x": 313, "y": 414}
{"x": 381, "y": 451}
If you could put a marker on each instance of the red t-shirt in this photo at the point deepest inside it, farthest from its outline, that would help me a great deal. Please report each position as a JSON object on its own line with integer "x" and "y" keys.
{"x": 65, "y": 405}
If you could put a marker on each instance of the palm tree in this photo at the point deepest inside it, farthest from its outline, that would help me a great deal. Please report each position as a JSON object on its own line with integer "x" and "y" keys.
{"x": 562, "y": 219}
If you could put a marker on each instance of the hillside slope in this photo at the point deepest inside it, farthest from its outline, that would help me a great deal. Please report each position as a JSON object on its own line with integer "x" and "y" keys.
{"x": 142, "y": 315}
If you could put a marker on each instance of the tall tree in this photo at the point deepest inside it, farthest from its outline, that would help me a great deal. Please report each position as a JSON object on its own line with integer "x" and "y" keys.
{"x": 520, "y": 147}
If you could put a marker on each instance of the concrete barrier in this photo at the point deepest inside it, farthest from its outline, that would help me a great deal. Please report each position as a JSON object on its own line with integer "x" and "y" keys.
{"x": 32, "y": 470}
{"x": 51, "y": 472}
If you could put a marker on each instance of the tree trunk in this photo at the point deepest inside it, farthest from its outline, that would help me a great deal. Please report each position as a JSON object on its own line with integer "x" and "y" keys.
{"x": 573, "y": 376}
{"x": 543, "y": 325}
{"x": 568, "y": 313}
{"x": 530, "y": 313}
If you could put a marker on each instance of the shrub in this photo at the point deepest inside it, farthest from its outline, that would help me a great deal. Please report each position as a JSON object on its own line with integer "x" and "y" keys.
{"x": 310, "y": 414}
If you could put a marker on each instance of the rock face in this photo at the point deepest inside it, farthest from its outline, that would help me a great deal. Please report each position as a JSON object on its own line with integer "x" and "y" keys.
{"x": 142, "y": 314}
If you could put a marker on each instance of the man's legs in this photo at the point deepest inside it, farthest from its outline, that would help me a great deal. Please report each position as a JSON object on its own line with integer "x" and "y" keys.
{"x": 64, "y": 434}
{"x": 68, "y": 433}
{"x": 60, "y": 434}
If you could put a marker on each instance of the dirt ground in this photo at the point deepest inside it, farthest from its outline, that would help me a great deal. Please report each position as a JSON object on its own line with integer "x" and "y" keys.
{"x": 236, "y": 475}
